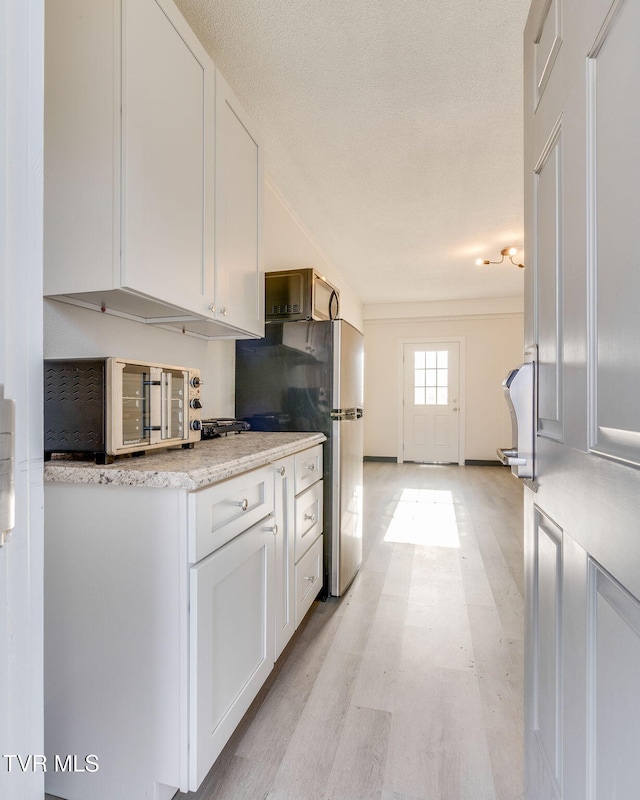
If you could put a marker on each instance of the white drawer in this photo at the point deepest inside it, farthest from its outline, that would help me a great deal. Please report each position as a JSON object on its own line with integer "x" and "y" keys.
{"x": 308, "y": 467}
{"x": 308, "y": 579}
{"x": 309, "y": 520}
{"x": 220, "y": 512}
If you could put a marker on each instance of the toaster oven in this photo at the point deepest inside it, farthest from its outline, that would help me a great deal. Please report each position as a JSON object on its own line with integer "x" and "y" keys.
{"x": 106, "y": 407}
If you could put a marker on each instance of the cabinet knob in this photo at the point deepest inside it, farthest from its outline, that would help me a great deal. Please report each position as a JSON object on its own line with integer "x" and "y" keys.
{"x": 244, "y": 504}
{"x": 224, "y": 310}
{"x": 281, "y": 471}
{"x": 310, "y": 578}
{"x": 311, "y": 467}
{"x": 311, "y": 517}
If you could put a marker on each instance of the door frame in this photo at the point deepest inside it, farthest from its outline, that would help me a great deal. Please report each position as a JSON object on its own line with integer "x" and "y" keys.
{"x": 431, "y": 340}
{"x": 21, "y": 350}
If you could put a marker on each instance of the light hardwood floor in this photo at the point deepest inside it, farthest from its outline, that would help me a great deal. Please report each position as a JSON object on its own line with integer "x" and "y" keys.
{"x": 410, "y": 686}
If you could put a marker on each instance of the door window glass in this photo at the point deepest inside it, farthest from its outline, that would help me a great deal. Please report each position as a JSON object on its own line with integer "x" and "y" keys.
{"x": 431, "y": 378}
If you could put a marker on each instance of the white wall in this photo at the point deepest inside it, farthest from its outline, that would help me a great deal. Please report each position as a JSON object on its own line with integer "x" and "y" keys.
{"x": 493, "y": 342}
{"x": 74, "y": 332}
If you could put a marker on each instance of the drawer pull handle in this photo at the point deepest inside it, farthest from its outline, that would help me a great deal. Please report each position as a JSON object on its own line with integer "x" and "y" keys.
{"x": 274, "y": 529}
{"x": 311, "y": 517}
{"x": 281, "y": 471}
{"x": 311, "y": 467}
{"x": 244, "y": 505}
{"x": 311, "y": 578}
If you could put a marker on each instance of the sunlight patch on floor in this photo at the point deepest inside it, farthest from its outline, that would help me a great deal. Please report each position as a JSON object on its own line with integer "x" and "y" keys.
{"x": 424, "y": 517}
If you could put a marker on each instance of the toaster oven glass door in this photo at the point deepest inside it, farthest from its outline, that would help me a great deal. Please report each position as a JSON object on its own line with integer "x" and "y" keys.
{"x": 174, "y": 391}
{"x": 139, "y": 386}
{"x": 153, "y": 405}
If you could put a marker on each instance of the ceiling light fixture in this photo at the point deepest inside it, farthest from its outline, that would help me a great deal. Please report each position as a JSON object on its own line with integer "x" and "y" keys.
{"x": 507, "y": 251}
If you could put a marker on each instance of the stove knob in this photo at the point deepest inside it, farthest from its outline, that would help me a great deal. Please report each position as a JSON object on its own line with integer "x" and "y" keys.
{"x": 195, "y": 382}
{"x": 195, "y": 404}
{"x": 196, "y": 425}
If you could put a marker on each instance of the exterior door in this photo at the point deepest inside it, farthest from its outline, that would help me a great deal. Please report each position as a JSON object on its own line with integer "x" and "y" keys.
{"x": 431, "y": 401}
{"x": 21, "y": 587}
{"x": 582, "y": 548}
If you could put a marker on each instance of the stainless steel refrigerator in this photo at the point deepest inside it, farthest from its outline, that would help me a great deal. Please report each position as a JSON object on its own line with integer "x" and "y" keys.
{"x": 308, "y": 376}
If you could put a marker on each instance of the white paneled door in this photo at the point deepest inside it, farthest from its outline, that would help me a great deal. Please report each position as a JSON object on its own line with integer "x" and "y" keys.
{"x": 431, "y": 401}
{"x": 582, "y": 548}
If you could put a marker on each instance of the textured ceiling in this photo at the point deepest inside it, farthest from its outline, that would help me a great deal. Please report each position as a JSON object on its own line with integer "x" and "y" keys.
{"x": 393, "y": 128}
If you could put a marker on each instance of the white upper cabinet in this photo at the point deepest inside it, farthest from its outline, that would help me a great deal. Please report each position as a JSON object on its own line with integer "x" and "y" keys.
{"x": 167, "y": 164}
{"x": 238, "y": 218}
{"x": 130, "y": 172}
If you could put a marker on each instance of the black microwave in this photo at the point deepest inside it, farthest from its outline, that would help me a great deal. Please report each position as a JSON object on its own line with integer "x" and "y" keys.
{"x": 299, "y": 294}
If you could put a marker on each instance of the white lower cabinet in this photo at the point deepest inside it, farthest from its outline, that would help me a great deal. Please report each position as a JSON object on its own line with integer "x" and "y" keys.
{"x": 165, "y": 610}
{"x": 298, "y": 508}
{"x": 231, "y": 640}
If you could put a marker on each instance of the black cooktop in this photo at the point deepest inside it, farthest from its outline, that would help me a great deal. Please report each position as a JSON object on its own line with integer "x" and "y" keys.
{"x": 221, "y": 426}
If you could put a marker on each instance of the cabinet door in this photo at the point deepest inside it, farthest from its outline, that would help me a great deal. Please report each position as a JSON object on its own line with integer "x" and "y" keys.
{"x": 284, "y": 510}
{"x": 167, "y": 174}
{"x": 82, "y": 144}
{"x": 308, "y": 579}
{"x": 231, "y": 640}
{"x": 239, "y": 274}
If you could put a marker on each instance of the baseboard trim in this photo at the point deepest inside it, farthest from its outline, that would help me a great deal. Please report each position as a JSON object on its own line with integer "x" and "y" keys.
{"x": 470, "y": 462}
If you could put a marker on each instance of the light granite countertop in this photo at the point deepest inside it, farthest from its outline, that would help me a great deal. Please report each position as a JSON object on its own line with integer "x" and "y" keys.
{"x": 208, "y": 462}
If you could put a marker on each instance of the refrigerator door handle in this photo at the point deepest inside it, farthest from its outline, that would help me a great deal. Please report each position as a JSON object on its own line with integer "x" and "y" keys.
{"x": 353, "y": 413}
{"x": 338, "y": 414}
